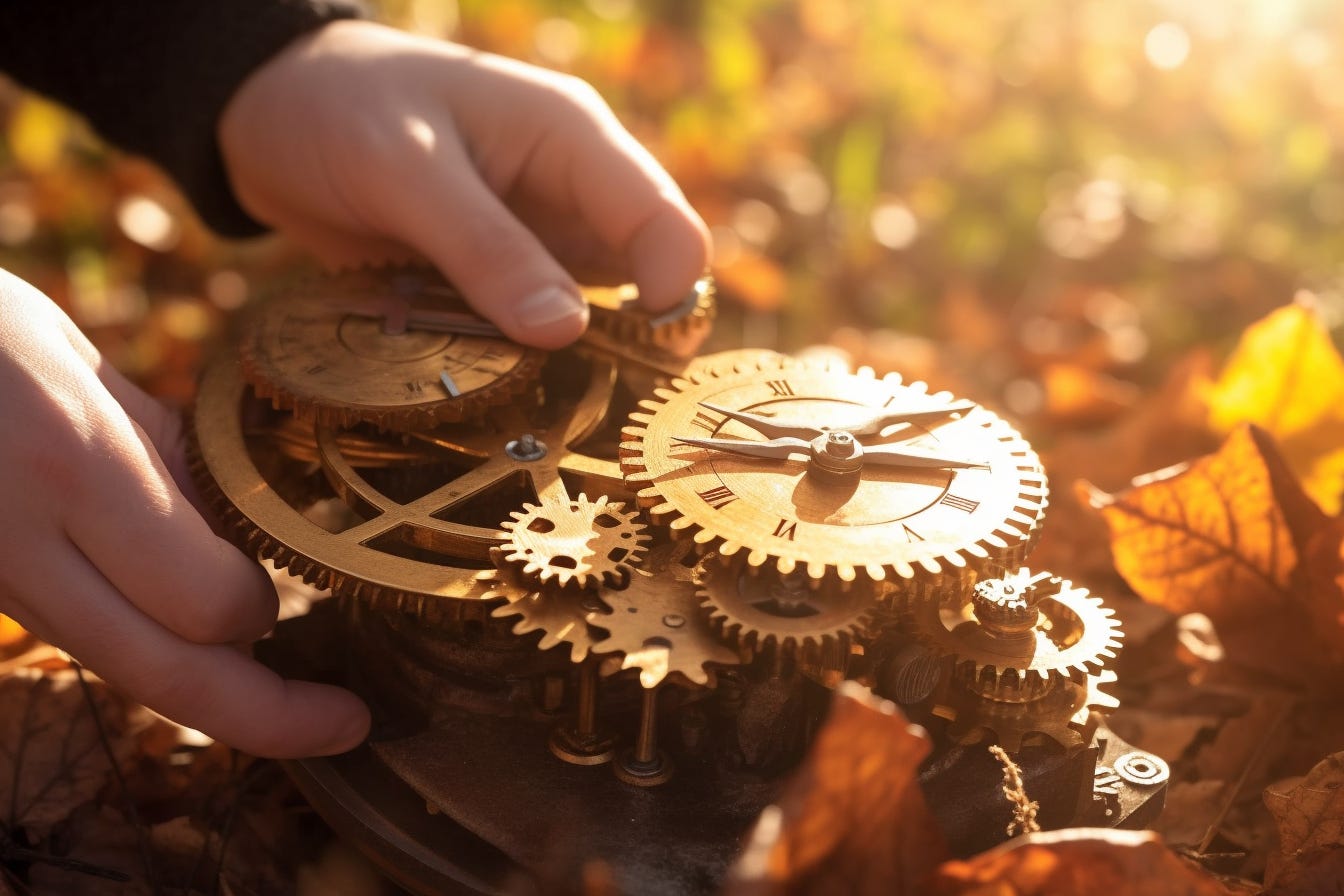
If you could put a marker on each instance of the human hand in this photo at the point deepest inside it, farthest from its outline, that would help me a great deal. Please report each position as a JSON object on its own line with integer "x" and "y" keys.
{"x": 359, "y": 141}
{"x": 103, "y": 553}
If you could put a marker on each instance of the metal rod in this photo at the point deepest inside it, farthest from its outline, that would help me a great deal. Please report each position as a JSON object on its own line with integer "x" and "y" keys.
{"x": 646, "y": 746}
{"x": 587, "y": 723}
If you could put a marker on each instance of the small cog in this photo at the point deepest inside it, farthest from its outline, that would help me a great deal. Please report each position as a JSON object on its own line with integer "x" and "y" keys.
{"x": 617, "y": 314}
{"x": 560, "y": 615}
{"x": 658, "y": 624}
{"x": 577, "y": 543}
{"x": 1062, "y": 714}
{"x": 757, "y": 609}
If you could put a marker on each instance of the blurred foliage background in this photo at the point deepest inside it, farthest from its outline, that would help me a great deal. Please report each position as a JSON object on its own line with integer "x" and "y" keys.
{"x": 1041, "y": 203}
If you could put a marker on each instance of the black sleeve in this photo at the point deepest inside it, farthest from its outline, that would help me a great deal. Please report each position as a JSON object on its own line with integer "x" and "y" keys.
{"x": 153, "y": 76}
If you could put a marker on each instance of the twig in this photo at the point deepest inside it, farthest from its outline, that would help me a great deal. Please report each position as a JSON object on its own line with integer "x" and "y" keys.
{"x": 141, "y": 840}
{"x": 1024, "y": 809}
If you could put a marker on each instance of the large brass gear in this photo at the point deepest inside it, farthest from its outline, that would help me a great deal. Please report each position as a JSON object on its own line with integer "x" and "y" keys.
{"x": 970, "y": 504}
{"x": 575, "y": 542}
{"x": 657, "y": 623}
{"x": 559, "y": 614}
{"x": 1017, "y": 644}
{"x": 763, "y": 610}
{"x": 379, "y": 546}
{"x": 395, "y": 347}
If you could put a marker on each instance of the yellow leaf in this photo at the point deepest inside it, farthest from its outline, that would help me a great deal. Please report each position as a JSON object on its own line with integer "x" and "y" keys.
{"x": 1287, "y": 378}
{"x": 37, "y": 134}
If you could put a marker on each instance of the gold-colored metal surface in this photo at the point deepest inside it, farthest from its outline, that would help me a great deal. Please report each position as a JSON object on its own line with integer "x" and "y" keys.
{"x": 577, "y": 542}
{"x": 373, "y": 347}
{"x": 679, "y": 330}
{"x": 743, "y": 461}
{"x": 559, "y": 614}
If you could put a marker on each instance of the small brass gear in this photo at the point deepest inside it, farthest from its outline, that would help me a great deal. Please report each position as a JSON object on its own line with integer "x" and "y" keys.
{"x": 559, "y": 614}
{"x": 578, "y": 543}
{"x": 616, "y": 313}
{"x": 396, "y": 347}
{"x": 765, "y": 609}
{"x": 1062, "y": 714}
{"x": 1019, "y": 634}
{"x": 929, "y": 488}
{"x": 657, "y": 623}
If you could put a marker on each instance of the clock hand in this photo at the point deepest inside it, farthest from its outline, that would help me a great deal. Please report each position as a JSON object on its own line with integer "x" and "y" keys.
{"x": 895, "y": 456}
{"x": 869, "y": 426}
{"x": 775, "y": 449}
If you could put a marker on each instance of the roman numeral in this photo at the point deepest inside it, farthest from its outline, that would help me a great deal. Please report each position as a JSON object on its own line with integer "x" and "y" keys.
{"x": 780, "y": 387}
{"x": 786, "y": 529}
{"x": 415, "y": 388}
{"x": 491, "y": 354}
{"x": 315, "y": 369}
{"x": 708, "y": 423}
{"x": 911, "y": 534}
{"x": 718, "y": 497}
{"x": 959, "y": 503}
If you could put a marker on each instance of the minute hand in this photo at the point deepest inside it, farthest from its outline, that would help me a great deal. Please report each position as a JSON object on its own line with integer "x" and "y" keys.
{"x": 774, "y": 427}
{"x": 775, "y": 449}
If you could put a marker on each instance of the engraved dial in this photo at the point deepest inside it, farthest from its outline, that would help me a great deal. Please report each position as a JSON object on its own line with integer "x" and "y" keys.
{"x": 834, "y": 472}
{"x": 394, "y": 348}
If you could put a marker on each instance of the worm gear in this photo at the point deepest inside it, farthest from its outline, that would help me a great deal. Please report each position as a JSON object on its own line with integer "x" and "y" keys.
{"x": 559, "y": 614}
{"x": 395, "y": 347}
{"x": 765, "y": 610}
{"x": 830, "y": 473}
{"x": 656, "y": 622}
{"x": 578, "y": 543}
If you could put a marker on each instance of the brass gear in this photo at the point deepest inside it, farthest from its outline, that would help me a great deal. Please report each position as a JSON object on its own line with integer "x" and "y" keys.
{"x": 403, "y": 552}
{"x": 1063, "y": 714}
{"x": 615, "y": 312}
{"x": 1023, "y": 637}
{"x": 656, "y": 622}
{"x": 364, "y": 347}
{"x": 580, "y": 543}
{"x": 891, "y": 519}
{"x": 761, "y": 610}
{"x": 560, "y": 615}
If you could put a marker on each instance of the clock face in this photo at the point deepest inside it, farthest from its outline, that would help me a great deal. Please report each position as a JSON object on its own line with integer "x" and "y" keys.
{"x": 830, "y": 471}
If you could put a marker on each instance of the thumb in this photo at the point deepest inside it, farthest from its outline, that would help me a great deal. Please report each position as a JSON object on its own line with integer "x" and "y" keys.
{"x": 453, "y": 218}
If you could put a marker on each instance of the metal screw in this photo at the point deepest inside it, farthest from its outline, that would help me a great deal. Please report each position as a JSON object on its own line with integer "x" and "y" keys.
{"x": 526, "y": 447}
{"x": 839, "y": 444}
{"x": 1142, "y": 768}
{"x": 674, "y": 620}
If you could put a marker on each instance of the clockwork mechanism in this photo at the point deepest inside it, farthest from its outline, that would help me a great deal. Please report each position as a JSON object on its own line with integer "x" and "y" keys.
{"x": 624, "y": 578}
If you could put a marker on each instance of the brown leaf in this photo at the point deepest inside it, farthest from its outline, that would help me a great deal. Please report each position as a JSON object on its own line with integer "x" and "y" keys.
{"x": 1309, "y": 813}
{"x": 853, "y": 818}
{"x": 1224, "y": 536}
{"x": 51, "y": 758}
{"x": 1073, "y": 861}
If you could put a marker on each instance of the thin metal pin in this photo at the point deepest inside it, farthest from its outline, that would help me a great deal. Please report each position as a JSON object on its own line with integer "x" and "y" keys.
{"x": 449, "y": 384}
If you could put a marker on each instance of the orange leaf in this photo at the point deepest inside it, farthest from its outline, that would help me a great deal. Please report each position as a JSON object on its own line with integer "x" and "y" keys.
{"x": 1286, "y": 377}
{"x": 1221, "y": 535}
{"x": 1077, "y": 860}
{"x": 853, "y": 819}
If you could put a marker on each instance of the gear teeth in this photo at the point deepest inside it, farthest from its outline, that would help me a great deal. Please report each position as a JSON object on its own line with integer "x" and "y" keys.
{"x": 575, "y": 543}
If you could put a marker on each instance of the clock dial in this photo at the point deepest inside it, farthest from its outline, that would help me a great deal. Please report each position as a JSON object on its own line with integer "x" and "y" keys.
{"x": 831, "y": 472}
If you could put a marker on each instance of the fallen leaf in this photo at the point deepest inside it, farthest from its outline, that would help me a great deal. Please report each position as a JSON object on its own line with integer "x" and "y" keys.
{"x": 1075, "y": 394}
{"x": 853, "y": 818}
{"x": 1190, "y": 808}
{"x": 1309, "y": 813}
{"x": 1286, "y": 377}
{"x": 51, "y": 757}
{"x": 1073, "y": 861}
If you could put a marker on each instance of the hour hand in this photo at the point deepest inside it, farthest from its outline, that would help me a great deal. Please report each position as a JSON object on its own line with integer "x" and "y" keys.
{"x": 775, "y": 449}
{"x": 895, "y": 456}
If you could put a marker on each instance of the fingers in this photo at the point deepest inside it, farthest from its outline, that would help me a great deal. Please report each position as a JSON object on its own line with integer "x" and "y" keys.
{"x": 213, "y": 688}
{"x": 634, "y": 206}
{"x": 126, "y": 514}
{"x": 440, "y": 206}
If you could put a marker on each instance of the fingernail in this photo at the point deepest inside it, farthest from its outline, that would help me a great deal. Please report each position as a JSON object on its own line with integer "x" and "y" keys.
{"x": 553, "y": 314}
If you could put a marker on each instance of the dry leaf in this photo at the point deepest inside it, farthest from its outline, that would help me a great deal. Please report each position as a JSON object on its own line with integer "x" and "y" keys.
{"x": 853, "y": 819}
{"x": 1286, "y": 377}
{"x": 51, "y": 758}
{"x": 1074, "y": 861}
{"x": 1309, "y": 813}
